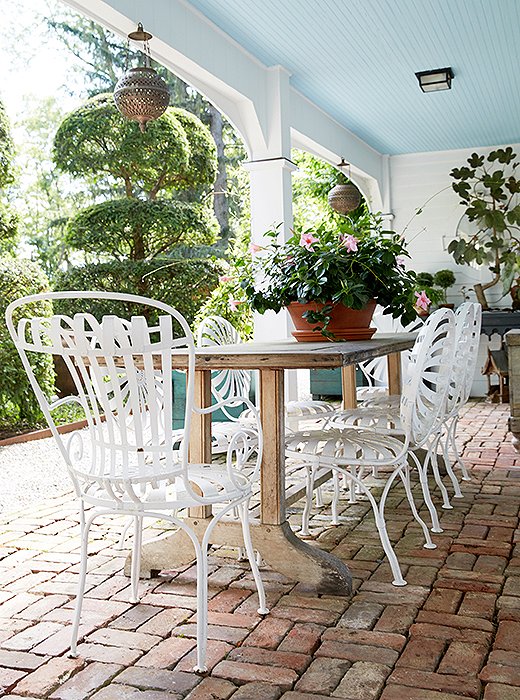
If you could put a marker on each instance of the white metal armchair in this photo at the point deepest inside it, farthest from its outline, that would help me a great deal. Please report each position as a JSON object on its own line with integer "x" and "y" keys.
{"x": 125, "y": 461}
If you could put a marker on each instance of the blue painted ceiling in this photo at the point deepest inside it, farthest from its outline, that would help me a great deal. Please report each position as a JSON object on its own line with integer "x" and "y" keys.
{"x": 357, "y": 59}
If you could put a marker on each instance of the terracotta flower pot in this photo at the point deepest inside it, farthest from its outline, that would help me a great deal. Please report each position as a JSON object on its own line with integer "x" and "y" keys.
{"x": 345, "y": 323}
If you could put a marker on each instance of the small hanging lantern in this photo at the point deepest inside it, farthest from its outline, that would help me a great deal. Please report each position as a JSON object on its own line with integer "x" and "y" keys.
{"x": 344, "y": 198}
{"x": 141, "y": 94}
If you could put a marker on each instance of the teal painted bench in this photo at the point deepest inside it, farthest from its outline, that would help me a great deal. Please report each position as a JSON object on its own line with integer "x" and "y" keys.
{"x": 327, "y": 382}
{"x": 179, "y": 403}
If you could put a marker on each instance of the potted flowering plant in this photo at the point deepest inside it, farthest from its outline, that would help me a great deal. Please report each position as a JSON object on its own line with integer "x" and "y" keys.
{"x": 321, "y": 273}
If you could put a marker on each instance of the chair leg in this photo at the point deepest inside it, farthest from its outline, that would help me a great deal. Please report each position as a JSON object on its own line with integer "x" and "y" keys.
{"x": 304, "y": 532}
{"x": 84, "y": 530}
{"x": 244, "y": 517}
{"x": 202, "y": 608}
{"x": 352, "y": 493}
{"x": 124, "y": 533}
{"x": 136, "y": 558}
{"x": 435, "y": 468}
{"x": 335, "y": 498}
{"x": 423, "y": 480}
{"x": 457, "y": 493}
{"x": 458, "y": 459}
{"x": 387, "y": 545}
{"x": 319, "y": 497}
{"x": 405, "y": 478}
{"x": 379, "y": 509}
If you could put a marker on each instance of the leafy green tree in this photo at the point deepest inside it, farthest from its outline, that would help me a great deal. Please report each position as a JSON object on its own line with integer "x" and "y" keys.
{"x": 8, "y": 220}
{"x": 157, "y": 173}
{"x": 185, "y": 283}
{"x": 489, "y": 191}
{"x": 102, "y": 58}
{"x": 18, "y": 404}
{"x": 176, "y": 154}
{"x": 46, "y": 197}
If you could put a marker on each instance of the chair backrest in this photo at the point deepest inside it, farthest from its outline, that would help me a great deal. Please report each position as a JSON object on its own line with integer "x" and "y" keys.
{"x": 375, "y": 370}
{"x": 225, "y": 383}
{"x": 473, "y": 322}
{"x": 427, "y": 381}
{"x": 121, "y": 369}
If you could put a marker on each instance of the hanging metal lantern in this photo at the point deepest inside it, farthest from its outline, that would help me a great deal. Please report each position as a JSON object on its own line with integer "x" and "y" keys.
{"x": 141, "y": 94}
{"x": 344, "y": 198}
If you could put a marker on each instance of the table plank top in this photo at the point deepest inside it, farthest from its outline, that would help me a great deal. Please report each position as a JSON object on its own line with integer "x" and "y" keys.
{"x": 289, "y": 354}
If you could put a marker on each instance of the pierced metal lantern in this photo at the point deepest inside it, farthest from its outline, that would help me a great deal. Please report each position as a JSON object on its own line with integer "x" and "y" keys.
{"x": 141, "y": 94}
{"x": 344, "y": 198}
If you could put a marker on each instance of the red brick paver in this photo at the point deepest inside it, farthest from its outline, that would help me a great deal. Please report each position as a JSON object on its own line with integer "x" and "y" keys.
{"x": 452, "y": 634}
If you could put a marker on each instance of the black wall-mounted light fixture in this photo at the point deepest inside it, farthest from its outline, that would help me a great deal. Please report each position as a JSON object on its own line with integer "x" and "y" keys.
{"x": 435, "y": 80}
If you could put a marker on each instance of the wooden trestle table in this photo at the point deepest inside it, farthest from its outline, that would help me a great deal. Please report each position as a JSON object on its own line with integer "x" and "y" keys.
{"x": 271, "y": 533}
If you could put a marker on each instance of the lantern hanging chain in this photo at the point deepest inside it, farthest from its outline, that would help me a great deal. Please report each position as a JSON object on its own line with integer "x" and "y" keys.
{"x": 147, "y": 54}
{"x": 142, "y": 36}
{"x": 344, "y": 164}
{"x": 127, "y": 58}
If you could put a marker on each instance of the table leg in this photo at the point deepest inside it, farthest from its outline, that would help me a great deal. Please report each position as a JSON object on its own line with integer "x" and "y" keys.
{"x": 200, "y": 435}
{"x": 272, "y": 536}
{"x": 272, "y": 473}
{"x": 394, "y": 373}
{"x": 348, "y": 386}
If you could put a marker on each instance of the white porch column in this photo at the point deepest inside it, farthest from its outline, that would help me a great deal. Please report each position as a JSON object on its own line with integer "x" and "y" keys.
{"x": 270, "y": 168}
{"x": 271, "y": 205}
{"x": 270, "y": 171}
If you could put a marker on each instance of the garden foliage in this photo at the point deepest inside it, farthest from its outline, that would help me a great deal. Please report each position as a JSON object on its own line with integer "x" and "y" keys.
{"x": 8, "y": 219}
{"x": 184, "y": 283}
{"x": 18, "y": 402}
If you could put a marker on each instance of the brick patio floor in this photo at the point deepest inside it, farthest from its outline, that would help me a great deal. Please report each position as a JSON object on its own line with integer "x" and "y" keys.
{"x": 453, "y": 632}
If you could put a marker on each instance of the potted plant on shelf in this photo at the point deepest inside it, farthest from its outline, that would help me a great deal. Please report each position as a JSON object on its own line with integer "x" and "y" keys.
{"x": 330, "y": 279}
{"x": 492, "y": 218}
{"x": 444, "y": 279}
{"x": 425, "y": 293}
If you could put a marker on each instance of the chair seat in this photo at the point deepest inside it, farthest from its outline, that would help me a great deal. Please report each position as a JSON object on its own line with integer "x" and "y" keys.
{"x": 352, "y": 446}
{"x": 308, "y": 409}
{"x": 385, "y": 400}
{"x": 168, "y": 493}
{"x": 380, "y": 418}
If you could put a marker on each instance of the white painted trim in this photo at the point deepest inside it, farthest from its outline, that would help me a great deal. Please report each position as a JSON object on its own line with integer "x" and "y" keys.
{"x": 263, "y": 163}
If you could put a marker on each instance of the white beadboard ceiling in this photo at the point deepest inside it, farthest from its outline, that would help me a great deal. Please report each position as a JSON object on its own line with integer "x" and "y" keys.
{"x": 357, "y": 59}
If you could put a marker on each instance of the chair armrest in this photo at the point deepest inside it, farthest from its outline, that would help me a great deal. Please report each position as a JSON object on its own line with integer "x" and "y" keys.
{"x": 240, "y": 449}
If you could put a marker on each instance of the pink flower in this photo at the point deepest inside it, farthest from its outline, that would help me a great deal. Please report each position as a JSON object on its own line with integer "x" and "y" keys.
{"x": 224, "y": 278}
{"x": 254, "y": 248}
{"x": 350, "y": 243}
{"x": 234, "y": 304}
{"x": 307, "y": 240}
{"x": 400, "y": 261}
{"x": 422, "y": 301}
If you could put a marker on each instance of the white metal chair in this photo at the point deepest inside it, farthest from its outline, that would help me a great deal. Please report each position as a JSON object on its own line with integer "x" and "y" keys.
{"x": 354, "y": 452}
{"x": 375, "y": 370}
{"x": 124, "y": 462}
{"x": 380, "y": 412}
{"x": 225, "y": 384}
{"x": 216, "y": 330}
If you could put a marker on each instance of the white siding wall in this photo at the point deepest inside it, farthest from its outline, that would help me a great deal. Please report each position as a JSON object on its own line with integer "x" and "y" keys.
{"x": 414, "y": 179}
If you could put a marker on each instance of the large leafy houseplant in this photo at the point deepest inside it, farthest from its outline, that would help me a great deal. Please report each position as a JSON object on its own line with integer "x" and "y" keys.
{"x": 350, "y": 264}
{"x": 490, "y": 197}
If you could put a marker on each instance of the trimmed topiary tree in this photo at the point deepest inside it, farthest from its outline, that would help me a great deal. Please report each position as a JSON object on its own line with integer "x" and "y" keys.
{"x": 163, "y": 179}
{"x": 18, "y": 404}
